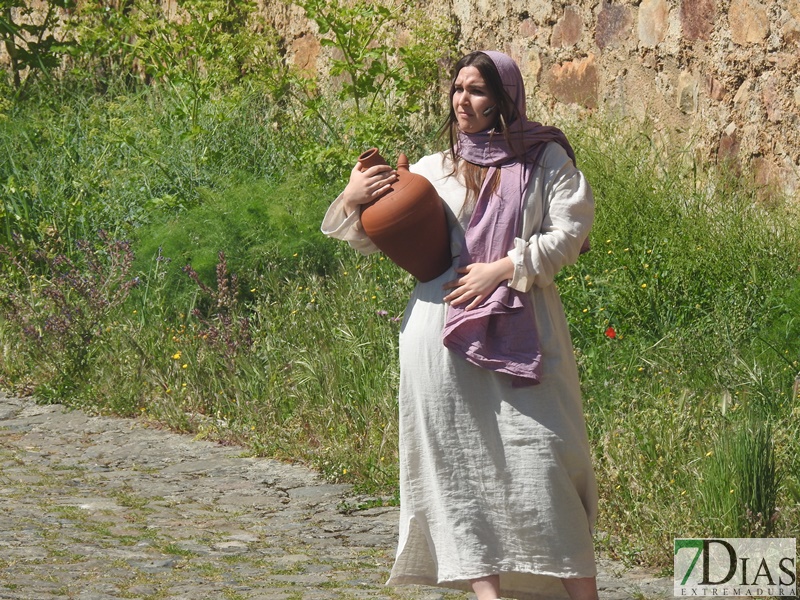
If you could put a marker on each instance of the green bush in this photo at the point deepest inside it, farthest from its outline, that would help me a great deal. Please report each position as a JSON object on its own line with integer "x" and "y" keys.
{"x": 389, "y": 86}
{"x": 119, "y": 161}
{"x": 260, "y": 226}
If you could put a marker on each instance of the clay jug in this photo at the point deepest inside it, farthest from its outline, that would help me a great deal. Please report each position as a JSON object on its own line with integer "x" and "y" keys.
{"x": 408, "y": 223}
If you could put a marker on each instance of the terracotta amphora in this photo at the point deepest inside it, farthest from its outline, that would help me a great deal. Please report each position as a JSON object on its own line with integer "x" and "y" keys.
{"x": 408, "y": 223}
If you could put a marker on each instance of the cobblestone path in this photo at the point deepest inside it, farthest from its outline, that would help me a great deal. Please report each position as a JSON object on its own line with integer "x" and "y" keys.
{"x": 101, "y": 508}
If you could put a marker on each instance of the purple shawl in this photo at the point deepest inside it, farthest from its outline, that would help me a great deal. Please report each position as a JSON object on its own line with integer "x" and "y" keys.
{"x": 500, "y": 334}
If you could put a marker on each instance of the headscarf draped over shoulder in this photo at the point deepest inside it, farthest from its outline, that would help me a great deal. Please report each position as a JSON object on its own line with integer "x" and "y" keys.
{"x": 500, "y": 334}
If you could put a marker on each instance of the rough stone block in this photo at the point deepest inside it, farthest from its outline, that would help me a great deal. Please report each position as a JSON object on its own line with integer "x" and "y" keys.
{"x": 527, "y": 28}
{"x": 742, "y": 97}
{"x": 613, "y": 25}
{"x": 530, "y": 64}
{"x": 306, "y": 50}
{"x": 568, "y": 30}
{"x": 771, "y": 97}
{"x": 688, "y": 89}
{"x": 774, "y": 175}
{"x": 540, "y": 11}
{"x": 716, "y": 90}
{"x": 576, "y": 82}
{"x": 791, "y": 32}
{"x": 748, "y": 21}
{"x": 653, "y": 22}
{"x": 728, "y": 149}
{"x": 767, "y": 176}
{"x": 794, "y": 8}
{"x": 697, "y": 18}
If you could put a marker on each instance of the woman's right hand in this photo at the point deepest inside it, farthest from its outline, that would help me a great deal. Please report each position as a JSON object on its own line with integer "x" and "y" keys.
{"x": 366, "y": 185}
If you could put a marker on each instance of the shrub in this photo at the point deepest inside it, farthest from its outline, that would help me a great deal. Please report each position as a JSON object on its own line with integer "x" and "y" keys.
{"x": 60, "y": 306}
{"x": 260, "y": 226}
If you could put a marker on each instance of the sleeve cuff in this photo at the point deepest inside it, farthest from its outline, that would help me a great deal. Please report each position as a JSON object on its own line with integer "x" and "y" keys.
{"x": 522, "y": 280}
{"x": 341, "y": 226}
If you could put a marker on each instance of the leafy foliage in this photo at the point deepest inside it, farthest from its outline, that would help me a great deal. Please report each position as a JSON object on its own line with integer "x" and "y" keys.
{"x": 60, "y": 304}
{"x": 202, "y": 48}
{"x": 28, "y": 35}
{"x": 739, "y": 486}
{"x": 260, "y": 226}
{"x": 687, "y": 350}
{"x": 390, "y": 84}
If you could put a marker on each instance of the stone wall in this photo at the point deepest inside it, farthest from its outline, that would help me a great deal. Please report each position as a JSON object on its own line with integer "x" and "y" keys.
{"x": 721, "y": 77}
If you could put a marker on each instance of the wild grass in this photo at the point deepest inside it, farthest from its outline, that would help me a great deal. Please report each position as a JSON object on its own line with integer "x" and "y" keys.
{"x": 683, "y": 315}
{"x": 684, "y": 324}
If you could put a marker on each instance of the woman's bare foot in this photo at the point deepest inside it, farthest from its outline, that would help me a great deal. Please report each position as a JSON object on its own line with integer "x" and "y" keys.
{"x": 486, "y": 588}
{"x": 581, "y": 588}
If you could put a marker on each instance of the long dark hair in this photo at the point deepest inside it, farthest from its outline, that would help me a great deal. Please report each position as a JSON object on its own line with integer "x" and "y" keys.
{"x": 506, "y": 113}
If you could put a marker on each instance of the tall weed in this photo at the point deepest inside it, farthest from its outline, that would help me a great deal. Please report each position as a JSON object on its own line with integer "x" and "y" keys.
{"x": 119, "y": 161}
{"x": 389, "y": 85}
{"x": 59, "y": 307}
{"x": 305, "y": 371}
{"x": 260, "y": 226}
{"x": 739, "y": 483}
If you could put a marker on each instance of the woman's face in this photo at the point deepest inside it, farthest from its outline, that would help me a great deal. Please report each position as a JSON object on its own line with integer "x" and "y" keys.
{"x": 473, "y": 105}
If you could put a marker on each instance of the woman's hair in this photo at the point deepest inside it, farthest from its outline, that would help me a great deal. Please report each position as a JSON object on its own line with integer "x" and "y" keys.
{"x": 506, "y": 113}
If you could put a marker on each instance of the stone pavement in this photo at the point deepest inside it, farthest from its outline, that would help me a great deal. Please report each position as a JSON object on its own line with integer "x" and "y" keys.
{"x": 102, "y": 508}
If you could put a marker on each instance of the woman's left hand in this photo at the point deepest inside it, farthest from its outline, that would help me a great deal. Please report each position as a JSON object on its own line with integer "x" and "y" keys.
{"x": 477, "y": 281}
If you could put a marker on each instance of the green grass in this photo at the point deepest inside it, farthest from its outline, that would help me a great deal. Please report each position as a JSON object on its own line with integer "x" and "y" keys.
{"x": 699, "y": 281}
{"x": 258, "y": 224}
{"x": 289, "y": 345}
{"x": 74, "y": 162}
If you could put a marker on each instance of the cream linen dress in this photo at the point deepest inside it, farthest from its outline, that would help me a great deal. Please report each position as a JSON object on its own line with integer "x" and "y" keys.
{"x": 494, "y": 479}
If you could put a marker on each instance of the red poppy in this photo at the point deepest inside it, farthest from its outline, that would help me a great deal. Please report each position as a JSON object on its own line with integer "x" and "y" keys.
{"x": 611, "y": 333}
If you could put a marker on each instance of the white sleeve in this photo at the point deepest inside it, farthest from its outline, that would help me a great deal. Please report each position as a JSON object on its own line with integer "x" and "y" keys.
{"x": 567, "y": 214}
{"x": 338, "y": 224}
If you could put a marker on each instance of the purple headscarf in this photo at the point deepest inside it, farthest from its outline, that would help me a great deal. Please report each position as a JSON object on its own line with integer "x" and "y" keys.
{"x": 500, "y": 334}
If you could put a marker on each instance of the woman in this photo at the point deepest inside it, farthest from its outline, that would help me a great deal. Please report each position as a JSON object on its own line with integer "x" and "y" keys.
{"x": 497, "y": 491}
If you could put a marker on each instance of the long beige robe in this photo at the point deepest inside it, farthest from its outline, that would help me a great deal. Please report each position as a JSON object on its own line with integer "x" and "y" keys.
{"x": 494, "y": 479}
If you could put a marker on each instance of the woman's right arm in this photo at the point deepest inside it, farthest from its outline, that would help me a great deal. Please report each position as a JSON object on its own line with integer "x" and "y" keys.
{"x": 343, "y": 219}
